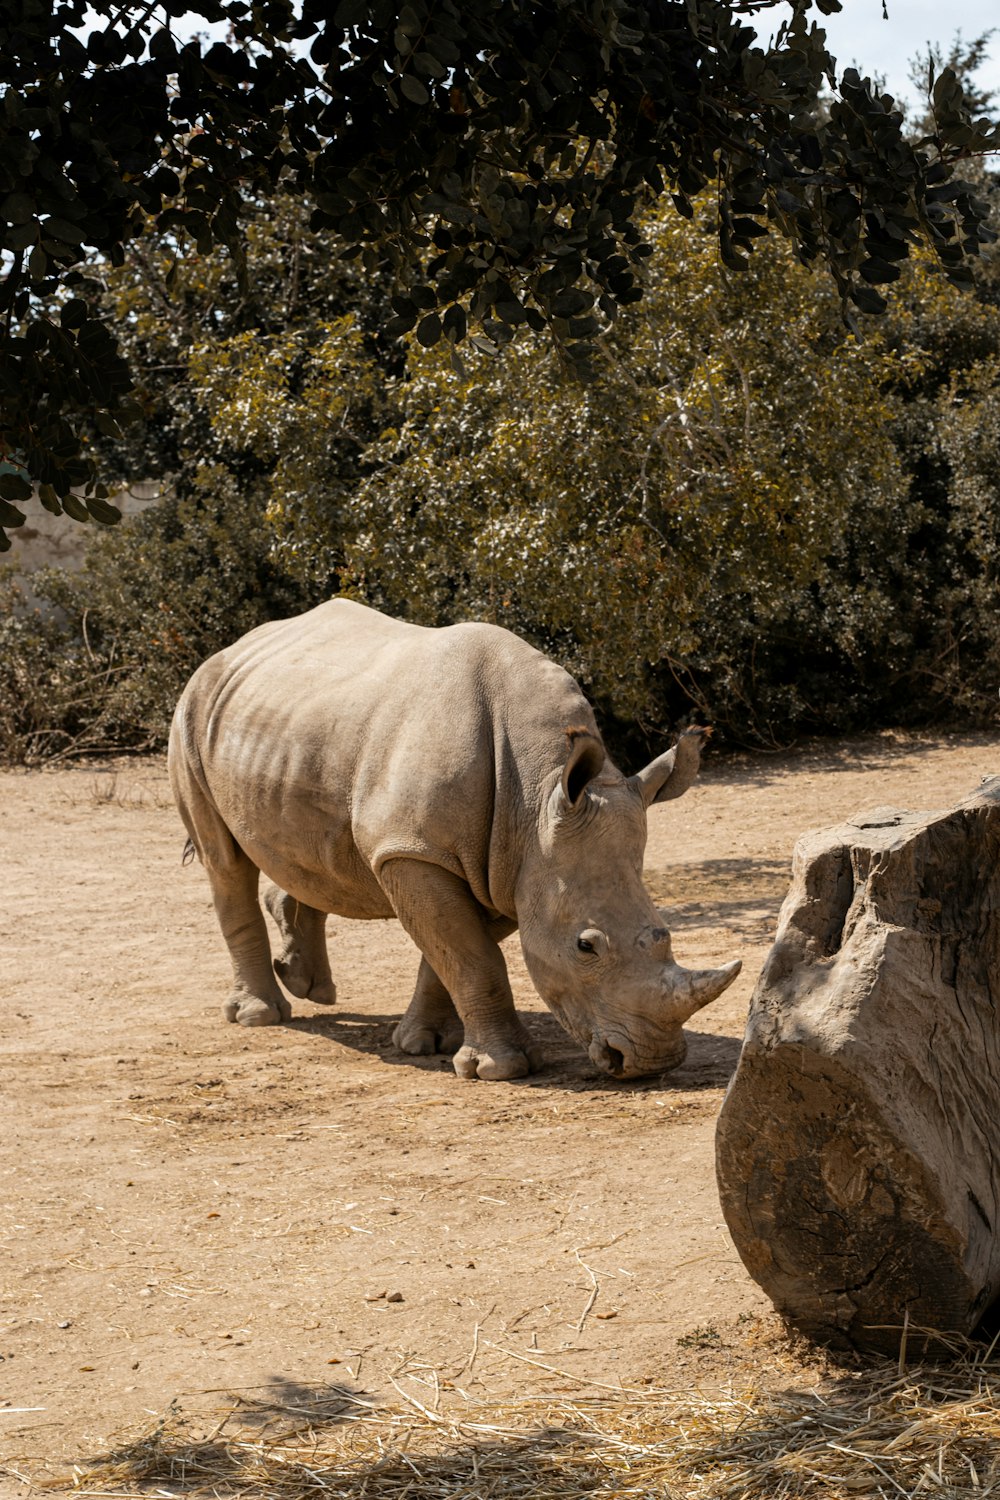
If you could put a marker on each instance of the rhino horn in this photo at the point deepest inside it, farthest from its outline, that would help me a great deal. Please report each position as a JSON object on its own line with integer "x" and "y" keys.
{"x": 690, "y": 989}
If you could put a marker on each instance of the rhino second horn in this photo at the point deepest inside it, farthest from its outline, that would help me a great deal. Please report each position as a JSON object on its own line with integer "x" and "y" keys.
{"x": 690, "y": 989}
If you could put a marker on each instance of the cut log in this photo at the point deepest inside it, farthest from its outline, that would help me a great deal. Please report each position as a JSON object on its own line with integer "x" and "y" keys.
{"x": 858, "y": 1147}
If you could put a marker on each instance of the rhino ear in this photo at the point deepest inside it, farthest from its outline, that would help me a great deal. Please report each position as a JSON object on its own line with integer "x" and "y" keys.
{"x": 584, "y": 761}
{"x": 671, "y": 774}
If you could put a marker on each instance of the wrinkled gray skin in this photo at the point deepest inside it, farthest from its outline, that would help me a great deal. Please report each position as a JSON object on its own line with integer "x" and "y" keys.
{"x": 455, "y": 779}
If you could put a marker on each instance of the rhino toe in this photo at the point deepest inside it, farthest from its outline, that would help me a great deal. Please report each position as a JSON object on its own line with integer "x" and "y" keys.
{"x": 304, "y": 986}
{"x": 248, "y": 1010}
{"x": 323, "y": 993}
{"x": 496, "y": 1063}
{"x": 424, "y": 1041}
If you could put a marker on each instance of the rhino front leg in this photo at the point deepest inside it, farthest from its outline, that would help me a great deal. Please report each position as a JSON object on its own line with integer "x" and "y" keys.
{"x": 460, "y": 946}
{"x": 431, "y": 1023}
{"x": 303, "y": 966}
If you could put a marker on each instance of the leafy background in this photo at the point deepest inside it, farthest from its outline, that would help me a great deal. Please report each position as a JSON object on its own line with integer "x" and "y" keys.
{"x": 736, "y": 508}
{"x": 748, "y": 515}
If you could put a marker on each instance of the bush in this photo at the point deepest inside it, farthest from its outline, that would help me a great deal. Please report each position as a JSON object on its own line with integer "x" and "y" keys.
{"x": 52, "y": 694}
{"x": 746, "y": 518}
{"x": 155, "y": 597}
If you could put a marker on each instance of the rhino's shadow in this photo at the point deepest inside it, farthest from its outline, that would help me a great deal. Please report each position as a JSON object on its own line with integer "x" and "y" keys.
{"x": 709, "y": 1064}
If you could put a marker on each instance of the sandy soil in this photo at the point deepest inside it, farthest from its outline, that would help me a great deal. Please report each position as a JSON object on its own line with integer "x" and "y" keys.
{"x": 190, "y": 1209}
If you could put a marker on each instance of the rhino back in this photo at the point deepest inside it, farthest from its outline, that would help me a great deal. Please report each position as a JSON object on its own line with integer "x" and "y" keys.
{"x": 335, "y": 741}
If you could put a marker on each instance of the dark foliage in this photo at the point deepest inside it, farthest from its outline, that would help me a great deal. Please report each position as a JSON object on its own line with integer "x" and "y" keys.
{"x": 492, "y": 156}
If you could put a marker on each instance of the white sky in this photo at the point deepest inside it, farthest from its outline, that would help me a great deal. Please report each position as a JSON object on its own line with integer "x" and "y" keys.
{"x": 859, "y": 37}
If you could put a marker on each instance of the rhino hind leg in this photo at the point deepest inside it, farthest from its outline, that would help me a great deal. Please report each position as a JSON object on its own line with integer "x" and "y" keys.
{"x": 431, "y": 1023}
{"x": 255, "y": 999}
{"x": 303, "y": 966}
{"x": 460, "y": 946}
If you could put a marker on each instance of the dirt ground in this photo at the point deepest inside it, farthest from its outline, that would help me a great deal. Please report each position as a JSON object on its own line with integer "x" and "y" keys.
{"x": 189, "y": 1209}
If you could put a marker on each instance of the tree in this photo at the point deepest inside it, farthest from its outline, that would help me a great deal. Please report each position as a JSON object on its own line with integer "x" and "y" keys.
{"x": 731, "y": 429}
{"x": 747, "y": 514}
{"x": 494, "y": 157}
{"x": 158, "y": 594}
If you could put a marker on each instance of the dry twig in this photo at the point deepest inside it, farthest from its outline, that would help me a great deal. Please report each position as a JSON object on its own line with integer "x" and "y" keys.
{"x": 933, "y": 1431}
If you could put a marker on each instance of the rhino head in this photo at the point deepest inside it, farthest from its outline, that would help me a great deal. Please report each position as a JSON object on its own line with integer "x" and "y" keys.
{"x": 596, "y": 947}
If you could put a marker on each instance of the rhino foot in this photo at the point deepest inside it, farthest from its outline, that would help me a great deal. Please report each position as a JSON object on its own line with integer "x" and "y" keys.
{"x": 498, "y": 1061}
{"x": 304, "y": 986}
{"x": 248, "y": 1010}
{"x": 423, "y": 1041}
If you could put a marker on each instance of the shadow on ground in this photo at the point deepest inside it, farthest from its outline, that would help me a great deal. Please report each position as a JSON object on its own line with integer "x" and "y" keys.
{"x": 709, "y": 1063}
{"x": 288, "y": 1403}
{"x": 849, "y": 1428}
{"x": 552, "y": 1462}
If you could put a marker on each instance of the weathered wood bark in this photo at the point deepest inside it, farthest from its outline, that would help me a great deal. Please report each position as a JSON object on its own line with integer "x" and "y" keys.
{"x": 858, "y": 1148}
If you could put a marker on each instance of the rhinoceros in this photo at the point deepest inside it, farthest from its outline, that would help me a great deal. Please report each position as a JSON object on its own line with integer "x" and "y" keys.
{"x": 454, "y": 778}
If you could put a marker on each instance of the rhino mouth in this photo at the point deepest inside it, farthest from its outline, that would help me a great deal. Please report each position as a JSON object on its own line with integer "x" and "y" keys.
{"x": 616, "y": 1061}
{"x": 621, "y": 1064}
{"x": 609, "y": 1059}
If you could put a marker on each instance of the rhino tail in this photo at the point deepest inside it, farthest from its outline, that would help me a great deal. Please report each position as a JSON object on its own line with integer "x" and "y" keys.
{"x": 189, "y": 852}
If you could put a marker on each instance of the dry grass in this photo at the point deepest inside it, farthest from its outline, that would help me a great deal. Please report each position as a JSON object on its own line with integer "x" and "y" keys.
{"x": 877, "y": 1432}
{"x": 113, "y": 789}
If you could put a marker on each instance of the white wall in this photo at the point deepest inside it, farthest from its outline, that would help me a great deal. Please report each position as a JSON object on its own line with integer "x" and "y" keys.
{"x": 46, "y": 541}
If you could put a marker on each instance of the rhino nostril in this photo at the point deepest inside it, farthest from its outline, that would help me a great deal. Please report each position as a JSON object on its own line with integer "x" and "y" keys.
{"x": 616, "y": 1060}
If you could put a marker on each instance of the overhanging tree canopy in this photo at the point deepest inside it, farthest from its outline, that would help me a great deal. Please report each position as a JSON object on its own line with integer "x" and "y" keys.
{"x": 493, "y": 153}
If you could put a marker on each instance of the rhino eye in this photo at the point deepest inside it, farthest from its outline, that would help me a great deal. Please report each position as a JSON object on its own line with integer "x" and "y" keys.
{"x": 585, "y": 945}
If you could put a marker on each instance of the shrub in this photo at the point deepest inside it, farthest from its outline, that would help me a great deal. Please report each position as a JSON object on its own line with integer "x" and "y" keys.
{"x": 155, "y": 597}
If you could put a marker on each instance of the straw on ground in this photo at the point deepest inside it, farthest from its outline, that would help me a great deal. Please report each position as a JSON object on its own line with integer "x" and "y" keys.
{"x": 872, "y": 1432}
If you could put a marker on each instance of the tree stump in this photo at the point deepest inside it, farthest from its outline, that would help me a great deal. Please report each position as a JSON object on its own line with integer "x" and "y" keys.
{"x": 858, "y": 1148}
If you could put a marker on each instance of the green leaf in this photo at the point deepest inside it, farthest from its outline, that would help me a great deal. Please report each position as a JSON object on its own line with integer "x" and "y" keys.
{"x": 20, "y": 236}
{"x": 15, "y": 487}
{"x": 454, "y": 323}
{"x": 428, "y": 65}
{"x": 351, "y": 13}
{"x": 73, "y": 313}
{"x": 62, "y": 229}
{"x": 409, "y": 22}
{"x": 74, "y": 506}
{"x": 730, "y": 256}
{"x": 412, "y": 89}
{"x": 429, "y": 330}
{"x": 509, "y": 310}
{"x": 9, "y": 516}
{"x": 103, "y": 511}
{"x": 17, "y": 208}
{"x": 569, "y": 303}
{"x": 395, "y": 327}
{"x": 868, "y": 299}
{"x": 876, "y": 271}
